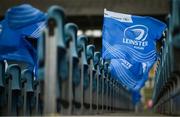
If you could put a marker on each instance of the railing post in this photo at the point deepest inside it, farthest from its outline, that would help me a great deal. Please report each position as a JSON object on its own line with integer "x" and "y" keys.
{"x": 102, "y": 84}
{"x": 74, "y": 71}
{"x": 90, "y": 56}
{"x": 3, "y": 100}
{"x": 82, "y": 42}
{"x": 13, "y": 83}
{"x": 27, "y": 85}
{"x": 53, "y": 40}
{"x": 96, "y": 77}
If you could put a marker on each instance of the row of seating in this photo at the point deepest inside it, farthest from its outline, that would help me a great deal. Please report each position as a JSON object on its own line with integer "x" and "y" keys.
{"x": 72, "y": 79}
{"x": 166, "y": 94}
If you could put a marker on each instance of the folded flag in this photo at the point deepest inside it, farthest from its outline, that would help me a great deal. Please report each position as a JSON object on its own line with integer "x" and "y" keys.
{"x": 129, "y": 42}
{"x": 20, "y": 22}
{"x": 131, "y": 75}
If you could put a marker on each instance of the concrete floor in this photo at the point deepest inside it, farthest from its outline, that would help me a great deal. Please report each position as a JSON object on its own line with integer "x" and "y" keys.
{"x": 142, "y": 113}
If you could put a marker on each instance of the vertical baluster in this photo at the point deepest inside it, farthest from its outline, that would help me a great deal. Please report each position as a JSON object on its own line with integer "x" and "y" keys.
{"x": 53, "y": 41}
{"x": 82, "y": 42}
{"x": 3, "y": 100}
{"x": 102, "y": 85}
{"x": 36, "y": 99}
{"x": 96, "y": 64}
{"x": 14, "y": 90}
{"x": 86, "y": 87}
{"x": 90, "y": 55}
{"x": 106, "y": 64}
{"x": 109, "y": 89}
{"x": 39, "y": 81}
{"x": 27, "y": 85}
{"x": 74, "y": 72}
{"x": 100, "y": 88}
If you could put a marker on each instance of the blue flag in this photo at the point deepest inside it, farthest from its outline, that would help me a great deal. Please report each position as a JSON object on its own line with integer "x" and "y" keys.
{"x": 20, "y": 22}
{"x": 136, "y": 97}
{"x": 129, "y": 42}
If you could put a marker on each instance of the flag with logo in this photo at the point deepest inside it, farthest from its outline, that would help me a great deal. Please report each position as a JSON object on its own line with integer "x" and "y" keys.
{"x": 129, "y": 42}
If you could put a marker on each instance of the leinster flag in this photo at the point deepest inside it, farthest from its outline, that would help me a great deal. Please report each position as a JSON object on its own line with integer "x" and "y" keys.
{"x": 129, "y": 41}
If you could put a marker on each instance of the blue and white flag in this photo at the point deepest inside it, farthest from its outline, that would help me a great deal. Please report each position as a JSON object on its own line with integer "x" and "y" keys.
{"x": 129, "y": 42}
{"x": 20, "y": 22}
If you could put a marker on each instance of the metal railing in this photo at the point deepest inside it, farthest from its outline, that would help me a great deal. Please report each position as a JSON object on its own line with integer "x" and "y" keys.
{"x": 166, "y": 94}
{"x": 73, "y": 79}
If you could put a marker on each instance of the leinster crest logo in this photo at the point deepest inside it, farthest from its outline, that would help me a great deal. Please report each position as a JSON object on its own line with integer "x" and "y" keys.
{"x": 136, "y": 35}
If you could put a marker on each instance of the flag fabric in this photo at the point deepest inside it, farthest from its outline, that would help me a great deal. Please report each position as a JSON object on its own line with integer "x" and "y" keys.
{"x": 129, "y": 42}
{"x": 136, "y": 96}
{"x": 20, "y": 22}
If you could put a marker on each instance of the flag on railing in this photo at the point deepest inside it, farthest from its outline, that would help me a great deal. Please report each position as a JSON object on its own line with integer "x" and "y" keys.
{"x": 20, "y": 22}
{"x": 129, "y": 42}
